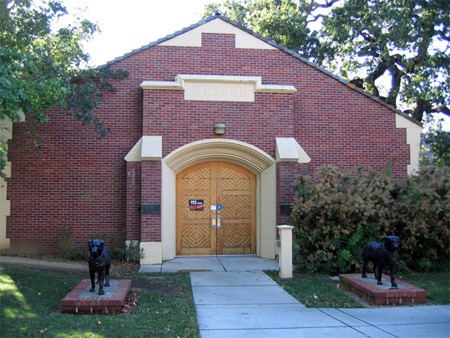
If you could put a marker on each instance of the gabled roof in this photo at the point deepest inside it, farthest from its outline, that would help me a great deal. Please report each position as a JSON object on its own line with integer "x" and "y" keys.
{"x": 272, "y": 43}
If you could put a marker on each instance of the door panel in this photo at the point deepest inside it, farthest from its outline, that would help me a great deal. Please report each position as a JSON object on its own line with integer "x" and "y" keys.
{"x": 238, "y": 199}
{"x": 231, "y": 230}
{"x": 194, "y": 233}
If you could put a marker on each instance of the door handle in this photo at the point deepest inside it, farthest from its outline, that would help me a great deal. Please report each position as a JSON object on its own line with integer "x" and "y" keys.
{"x": 213, "y": 222}
{"x": 219, "y": 221}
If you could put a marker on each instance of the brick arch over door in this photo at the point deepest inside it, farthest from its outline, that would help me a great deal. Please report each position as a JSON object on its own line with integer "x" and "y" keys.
{"x": 242, "y": 154}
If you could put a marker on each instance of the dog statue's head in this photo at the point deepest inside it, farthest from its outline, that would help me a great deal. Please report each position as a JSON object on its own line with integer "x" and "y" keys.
{"x": 96, "y": 247}
{"x": 391, "y": 243}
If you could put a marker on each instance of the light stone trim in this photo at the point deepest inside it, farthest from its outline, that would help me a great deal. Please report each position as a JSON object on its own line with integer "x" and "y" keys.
{"x": 147, "y": 148}
{"x": 276, "y": 89}
{"x": 6, "y": 128}
{"x": 182, "y": 78}
{"x": 134, "y": 155}
{"x": 285, "y": 258}
{"x": 413, "y": 132}
{"x": 238, "y": 152}
{"x": 168, "y": 212}
{"x": 193, "y": 38}
{"x": 152, "y": 253}
{"x": 255, "y": 80}
{"x": 288, "y": 150}
{"x": 162, "y": 85}
{"x": 218, "y": 87}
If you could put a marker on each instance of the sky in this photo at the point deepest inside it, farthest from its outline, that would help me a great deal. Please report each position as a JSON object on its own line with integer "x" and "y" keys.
{"x": 131, "y": 24}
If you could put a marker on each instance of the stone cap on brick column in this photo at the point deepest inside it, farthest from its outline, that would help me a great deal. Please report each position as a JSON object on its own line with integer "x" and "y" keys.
{"x": 147, "y": 148}
{"x": 288, "y": 150}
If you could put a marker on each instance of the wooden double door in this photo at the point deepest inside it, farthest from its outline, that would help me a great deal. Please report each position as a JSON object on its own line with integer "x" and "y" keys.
{"x": 216, "y": 210}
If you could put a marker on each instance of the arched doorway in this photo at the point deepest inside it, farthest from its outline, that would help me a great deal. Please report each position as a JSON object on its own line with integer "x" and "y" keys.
{"x": 235, "y": 152}
{"x": 216, "y": 210}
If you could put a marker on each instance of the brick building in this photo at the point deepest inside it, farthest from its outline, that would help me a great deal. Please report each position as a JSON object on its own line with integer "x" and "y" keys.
{"x": 208, "y": 134}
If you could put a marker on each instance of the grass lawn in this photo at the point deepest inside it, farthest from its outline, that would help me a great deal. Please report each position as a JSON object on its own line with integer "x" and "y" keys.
{"x": 322, "y": 292}
{"x": 28, "y": 296}
{"x": 437, "y": 284}
{"x": 315, "y": 291}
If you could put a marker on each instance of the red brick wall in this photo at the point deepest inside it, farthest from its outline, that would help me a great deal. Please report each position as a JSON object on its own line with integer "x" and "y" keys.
{"x": 133, "y": 200}
{"x": 151, "y": 195}
{"x": 76, "y": 181}
{"x": 80, "y": 181}
{"x": 166, "y": 113}
{"x": 287, "y": 173}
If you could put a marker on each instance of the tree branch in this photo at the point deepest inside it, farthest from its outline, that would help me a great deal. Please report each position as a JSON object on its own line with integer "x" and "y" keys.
{"x": 421, "y": 107}
{"x": 441, "y": 109}
{"x": 424, "y": 43}
{"x": 314, "y": 5}
{"x": 315, "y": 18}
{"x": 379, "y": 71}
{"x": 367, "y": 36}
{"x": 328, "y": 3}
{"x": 395, "y": 84}
{"x": 443, "y": 36}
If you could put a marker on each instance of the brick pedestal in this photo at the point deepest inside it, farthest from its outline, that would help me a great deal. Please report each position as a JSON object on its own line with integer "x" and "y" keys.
{"x": 368, "y": 289}
{"x": 80, "y": 300}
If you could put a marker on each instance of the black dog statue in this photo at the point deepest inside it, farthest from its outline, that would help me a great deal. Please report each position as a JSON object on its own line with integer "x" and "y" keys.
{"x": 99, "y": 261}
{"x": 381, "y": 255}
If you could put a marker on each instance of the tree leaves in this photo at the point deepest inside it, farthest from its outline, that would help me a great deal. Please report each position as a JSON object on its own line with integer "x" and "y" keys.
{"x": 42, "y": 67}
{"x": 405, "y": 40}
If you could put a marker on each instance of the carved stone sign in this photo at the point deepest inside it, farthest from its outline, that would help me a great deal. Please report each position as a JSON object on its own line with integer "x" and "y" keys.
{"x": 213, "y": 91}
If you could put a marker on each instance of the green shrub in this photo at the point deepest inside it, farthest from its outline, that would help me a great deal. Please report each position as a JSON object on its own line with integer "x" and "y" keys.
{"x": 421, "y": 216}
{"x": 120, "y": 250}
{"x": 67, "y": 248}
{"x": 336, "y": 213}
{"x": 129, "y": 252}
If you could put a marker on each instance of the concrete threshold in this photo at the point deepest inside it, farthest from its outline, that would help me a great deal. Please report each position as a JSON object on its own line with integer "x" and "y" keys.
{"x": 212, "y": 263}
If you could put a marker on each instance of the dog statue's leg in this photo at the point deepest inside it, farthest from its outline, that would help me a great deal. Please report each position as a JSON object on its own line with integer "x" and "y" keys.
{"x": 107, "y": 275}
{"x": 363, "y": 275}
{"x": 393, "y": 283}
{"x": 375, "y": 269}
{"x": 101, "y": 276}
{"x": 379, "y": 274}
{"x": 92, "y": 274}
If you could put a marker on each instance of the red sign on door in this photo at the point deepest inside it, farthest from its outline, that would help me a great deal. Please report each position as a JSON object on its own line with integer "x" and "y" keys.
{"x": 196, "y": 205}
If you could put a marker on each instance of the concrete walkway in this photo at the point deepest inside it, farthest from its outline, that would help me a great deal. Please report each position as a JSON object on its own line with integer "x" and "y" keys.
{"x": 26, "y": 261}
{"x": 251, "y": 304}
